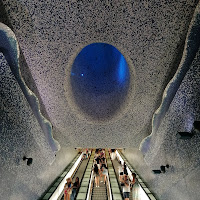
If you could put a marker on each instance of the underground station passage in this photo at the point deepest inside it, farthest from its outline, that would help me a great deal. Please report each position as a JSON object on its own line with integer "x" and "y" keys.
{"x": 112, "y": 169}
{"x": 99, "y": 100}
{"x": 99, "y": 81}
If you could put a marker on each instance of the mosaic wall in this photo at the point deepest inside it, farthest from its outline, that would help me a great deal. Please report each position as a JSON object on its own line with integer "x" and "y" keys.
{"x": 21, "y": 135}
{"x": 181, "y": 179}
{"x": 149, "y": 35}
{"x": 10, "y": 49}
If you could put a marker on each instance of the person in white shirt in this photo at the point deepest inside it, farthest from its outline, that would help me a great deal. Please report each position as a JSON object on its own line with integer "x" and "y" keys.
{"x": 126, "y": 187}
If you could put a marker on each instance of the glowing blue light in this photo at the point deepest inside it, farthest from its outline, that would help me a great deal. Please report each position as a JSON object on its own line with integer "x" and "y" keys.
{"x": 81, "y": 74}
{"x": 122, "y": 66}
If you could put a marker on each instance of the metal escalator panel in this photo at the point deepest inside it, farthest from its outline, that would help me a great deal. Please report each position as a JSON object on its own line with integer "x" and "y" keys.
{"x": 139, "y": 190}
{"x": 99, "y": 193}
{"x": 79, "y": 173}
{"x": 85, "y": 183}
{"x": 116, "y": 193}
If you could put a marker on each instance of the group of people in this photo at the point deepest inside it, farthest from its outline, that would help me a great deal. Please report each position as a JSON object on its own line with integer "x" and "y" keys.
{"x": 100, "y": 171}
{"x": 100, "y": 168}
{"x": 126, "y": 183}
{"x": 70, "y": 189}
{"x": 86, "y": 153}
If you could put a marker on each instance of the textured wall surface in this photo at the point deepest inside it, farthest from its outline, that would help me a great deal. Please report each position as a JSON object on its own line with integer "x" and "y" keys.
{"x": 181, "y": 180}
{"x": 21, "y": 135}
{"x": 151, "y": 36}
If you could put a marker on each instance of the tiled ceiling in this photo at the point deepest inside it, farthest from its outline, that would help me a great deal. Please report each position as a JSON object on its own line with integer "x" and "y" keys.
{"x": 150, "y": 35}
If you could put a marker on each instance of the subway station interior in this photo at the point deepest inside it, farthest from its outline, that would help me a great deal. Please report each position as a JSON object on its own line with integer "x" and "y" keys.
{"x": 122, "y": 76}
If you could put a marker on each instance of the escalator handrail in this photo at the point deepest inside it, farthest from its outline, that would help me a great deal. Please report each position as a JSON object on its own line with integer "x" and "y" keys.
{"x": 89, "y": 194}
{"x": 108, "y": 184}
{"x": 119, "y": 186}
{"x": 83, "y": 176}
{"x": 56, "y": 194}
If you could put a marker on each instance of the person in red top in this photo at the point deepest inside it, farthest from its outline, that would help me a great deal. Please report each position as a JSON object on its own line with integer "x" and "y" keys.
{"x": 68, "y": 189}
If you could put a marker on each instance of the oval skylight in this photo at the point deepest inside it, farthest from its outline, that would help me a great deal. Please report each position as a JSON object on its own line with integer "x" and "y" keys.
{"x": 100, "y": 80}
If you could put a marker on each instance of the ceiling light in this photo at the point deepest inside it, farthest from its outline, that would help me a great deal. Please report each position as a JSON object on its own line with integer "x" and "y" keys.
{"x": 157, "y": 171}
{"x": 29, "y": 160}
{"x": 161, "y": 170}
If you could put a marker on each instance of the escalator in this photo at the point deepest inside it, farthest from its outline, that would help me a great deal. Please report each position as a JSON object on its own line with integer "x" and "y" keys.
{"x": 79, "y": 173}
{"x": 102, "y": 192}
{"x": 99, "y": 193}
{"x": 88, "y": 190}
{"x": 139, "y": 190}
{"x": 116, "y": 165}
